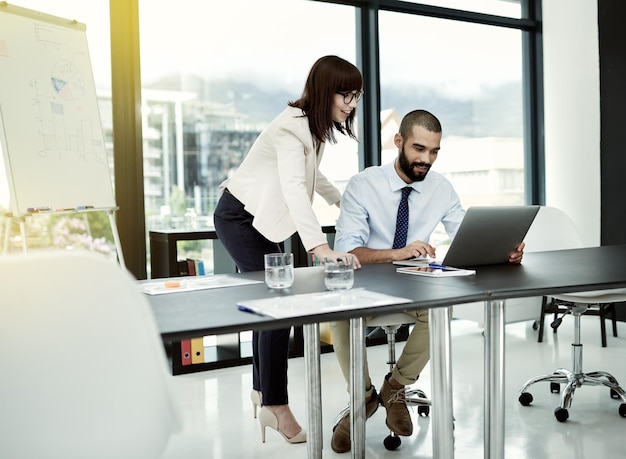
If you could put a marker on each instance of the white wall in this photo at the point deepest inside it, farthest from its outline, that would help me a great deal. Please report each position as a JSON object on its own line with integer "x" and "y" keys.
{"x": 572, "y": 112}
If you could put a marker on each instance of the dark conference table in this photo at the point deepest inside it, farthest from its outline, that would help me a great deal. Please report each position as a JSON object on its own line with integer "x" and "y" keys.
{"x": 205, "y": 312}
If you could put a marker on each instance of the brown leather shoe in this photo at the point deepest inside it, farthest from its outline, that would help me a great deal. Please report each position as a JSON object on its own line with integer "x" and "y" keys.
{"x": 398, "y": 417}
{"x": 340, "y": 443}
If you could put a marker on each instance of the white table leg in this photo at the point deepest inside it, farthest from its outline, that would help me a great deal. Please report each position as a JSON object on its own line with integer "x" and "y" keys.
{"x": 441, "y": 383}
{"x": 357, "y": 386}
{"x": 494, "y": 380}
{"x": 311, "y": 333}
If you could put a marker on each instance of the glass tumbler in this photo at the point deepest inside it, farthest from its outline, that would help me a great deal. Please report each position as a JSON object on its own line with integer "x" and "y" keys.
{"x": 338, "y": 275}
{"x": 279, "y": 270}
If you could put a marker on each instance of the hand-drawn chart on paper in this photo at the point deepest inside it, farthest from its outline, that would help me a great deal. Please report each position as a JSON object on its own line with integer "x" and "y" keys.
{"x": 52, "y": 139}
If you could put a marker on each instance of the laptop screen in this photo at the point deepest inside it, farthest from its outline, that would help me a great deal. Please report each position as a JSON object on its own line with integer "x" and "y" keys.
{"x": 487, "y": 235}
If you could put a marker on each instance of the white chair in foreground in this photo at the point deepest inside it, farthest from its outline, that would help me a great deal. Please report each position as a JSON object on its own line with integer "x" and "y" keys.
{"x": 84, "y": 373}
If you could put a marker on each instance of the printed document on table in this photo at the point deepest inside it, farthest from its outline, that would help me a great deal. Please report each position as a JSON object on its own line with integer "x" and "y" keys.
{"x": 436, "y": 271}
{"x": 188, "y": 284}
{"x": 415, "y": 262}
{"x": 318, "y": 303}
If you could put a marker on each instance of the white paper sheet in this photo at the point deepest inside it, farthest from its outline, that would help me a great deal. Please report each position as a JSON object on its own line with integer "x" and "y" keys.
{"x": 187, "y": 284}
{"x": 316, "y": 303}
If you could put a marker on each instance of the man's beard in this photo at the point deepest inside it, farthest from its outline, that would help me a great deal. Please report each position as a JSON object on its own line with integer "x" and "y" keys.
{"x": 407, "y": 168}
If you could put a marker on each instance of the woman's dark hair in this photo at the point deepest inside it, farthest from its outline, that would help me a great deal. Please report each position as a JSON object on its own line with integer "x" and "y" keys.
{"x": 329, "y": 75}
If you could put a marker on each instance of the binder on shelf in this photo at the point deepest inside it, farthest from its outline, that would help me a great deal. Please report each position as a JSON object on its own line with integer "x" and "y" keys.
{"x": 183, "y": 269}
{"x": 197, "y": 350}
{"x": 191, "y": 267}
{"x": 185, "y": 352}
{"x": 200, "y": 271}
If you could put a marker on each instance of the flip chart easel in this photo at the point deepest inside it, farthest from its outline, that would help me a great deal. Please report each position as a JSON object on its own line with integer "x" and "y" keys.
{"x": 50, "y": 128}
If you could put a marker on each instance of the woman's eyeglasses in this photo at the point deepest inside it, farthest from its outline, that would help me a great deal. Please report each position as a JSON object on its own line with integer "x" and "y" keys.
{"x": 349, "y": 96}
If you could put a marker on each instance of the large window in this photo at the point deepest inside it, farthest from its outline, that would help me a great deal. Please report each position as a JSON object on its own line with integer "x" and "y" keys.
{"x": 212, "y": 83}
{"x": 215, "y": 80}
{"x": 474, "y": 89}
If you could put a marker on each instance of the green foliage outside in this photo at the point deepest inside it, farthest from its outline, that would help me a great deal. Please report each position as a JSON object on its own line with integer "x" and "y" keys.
{"x": 85, "y": 230}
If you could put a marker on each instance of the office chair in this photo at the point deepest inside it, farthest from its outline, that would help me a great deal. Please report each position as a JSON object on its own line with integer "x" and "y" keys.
{"x": 390, "y": 323}
{"x": 560, "y": 227}
{"x": 556, "y": 307}
{"x": 84, "y": 370}
{"x": 554, "y": 230}
{"x": 577, "y": 304}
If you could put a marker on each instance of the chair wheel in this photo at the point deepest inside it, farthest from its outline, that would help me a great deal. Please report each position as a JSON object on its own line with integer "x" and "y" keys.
{"x": 392, "y": 442}
{"x": 525, "y": 398}
{"x": 622, "y": 410}
{"x": 561, "y": 414}
{"x": 423, "y": 410}
{"x": 555, "y": 387}
{"x": 535, "y": 325}
{"x": 615, "y": 395}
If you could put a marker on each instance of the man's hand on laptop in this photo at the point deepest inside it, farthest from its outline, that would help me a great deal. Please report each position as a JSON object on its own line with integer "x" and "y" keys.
{"x": 417, "y": 249}
{"x": 517, "y": 255}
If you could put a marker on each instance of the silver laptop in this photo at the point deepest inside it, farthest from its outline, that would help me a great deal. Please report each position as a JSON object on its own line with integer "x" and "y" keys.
{"x": 488, "y": 235}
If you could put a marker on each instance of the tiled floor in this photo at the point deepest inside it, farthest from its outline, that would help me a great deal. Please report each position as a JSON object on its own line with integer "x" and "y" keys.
{"x": 218, "y": 420}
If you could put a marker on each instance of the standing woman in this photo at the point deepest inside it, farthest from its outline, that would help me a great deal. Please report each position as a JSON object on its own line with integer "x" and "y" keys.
{"x": 269, "y": 198}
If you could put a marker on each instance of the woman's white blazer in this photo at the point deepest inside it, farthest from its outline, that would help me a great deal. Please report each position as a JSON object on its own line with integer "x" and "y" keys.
{"x": 278, "y": 178}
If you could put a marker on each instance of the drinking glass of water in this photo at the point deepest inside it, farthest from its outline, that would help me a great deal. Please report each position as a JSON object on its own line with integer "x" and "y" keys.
{"x": 338, "y": 274}
{"x": 279, "y": 270}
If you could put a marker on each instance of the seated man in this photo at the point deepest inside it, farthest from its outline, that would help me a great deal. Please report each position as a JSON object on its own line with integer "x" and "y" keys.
{"x": 372, "y": 226}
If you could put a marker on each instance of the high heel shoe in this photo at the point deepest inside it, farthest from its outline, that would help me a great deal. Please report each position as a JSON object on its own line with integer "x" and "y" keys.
{"x": 269, "y": 419}
{"x": 255, "y": 396}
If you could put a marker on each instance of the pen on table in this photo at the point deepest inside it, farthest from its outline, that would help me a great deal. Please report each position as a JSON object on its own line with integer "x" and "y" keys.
{"x": 436, "y": 266}
{"x": 251, "y": 310}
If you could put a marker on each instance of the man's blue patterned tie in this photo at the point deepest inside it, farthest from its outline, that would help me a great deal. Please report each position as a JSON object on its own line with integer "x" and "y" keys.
{"x": 402, "y": 220}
